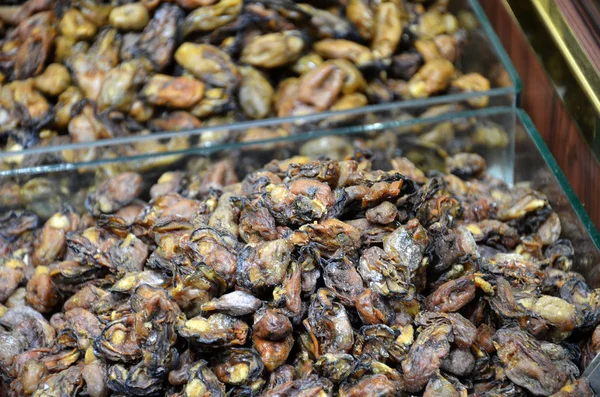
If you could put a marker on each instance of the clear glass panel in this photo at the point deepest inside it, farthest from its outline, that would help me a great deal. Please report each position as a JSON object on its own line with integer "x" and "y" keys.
{"x": 436, "y": 131}
{"x": 419, "y": 121}
{"x": 535, "y": 166}
{"x": 488, "y": 51}
{"x": 480, "y": 52}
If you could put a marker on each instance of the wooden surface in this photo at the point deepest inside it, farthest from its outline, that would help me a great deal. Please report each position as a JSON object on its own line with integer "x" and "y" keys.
{"x": 540, "y": 99}
{"x": 583, "y": 17}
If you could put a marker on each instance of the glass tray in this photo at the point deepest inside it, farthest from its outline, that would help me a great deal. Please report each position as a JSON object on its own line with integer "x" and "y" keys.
{"x": 483, "y": 53}
{"x": 45, "y": 189}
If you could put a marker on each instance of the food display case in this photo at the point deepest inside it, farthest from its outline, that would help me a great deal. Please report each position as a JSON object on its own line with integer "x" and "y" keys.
{"x": 479, "y": 51}
{"x": 80, "y": 188}
{"x": 425, "y": 239}
{"x": 504, "y": 136}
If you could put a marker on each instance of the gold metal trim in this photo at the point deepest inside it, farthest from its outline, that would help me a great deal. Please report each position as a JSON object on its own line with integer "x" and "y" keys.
{"x": 582, "y": 66}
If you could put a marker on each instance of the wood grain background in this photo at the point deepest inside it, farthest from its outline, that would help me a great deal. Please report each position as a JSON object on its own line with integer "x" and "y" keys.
{"x": 540, "y": 99}
{"x": 583, "y": 17}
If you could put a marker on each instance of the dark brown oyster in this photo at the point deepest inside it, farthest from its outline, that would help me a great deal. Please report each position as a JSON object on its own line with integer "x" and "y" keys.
{"x": 311, "y": 277}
